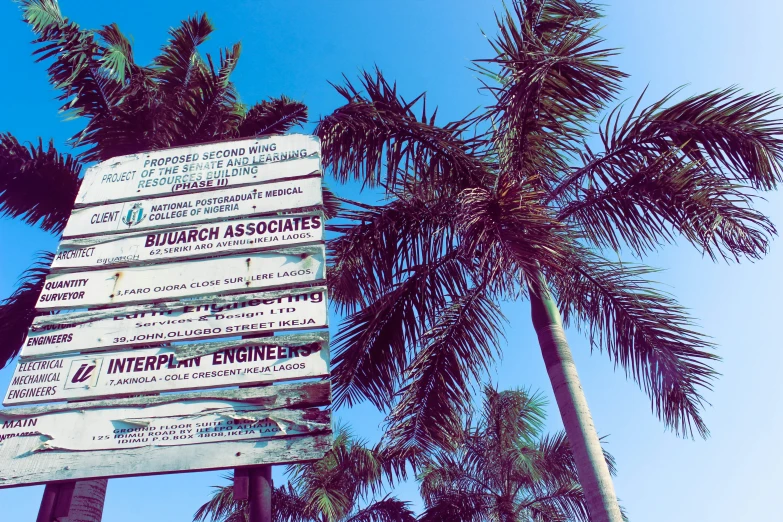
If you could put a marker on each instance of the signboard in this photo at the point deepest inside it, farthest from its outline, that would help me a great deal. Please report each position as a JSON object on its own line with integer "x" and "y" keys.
{"x": 139, "y": 248}
{"x": 188, "y": 209}
{"x": 199, "y": 168}
{"x": 185, "y": 432}
{"x": 192, "y": 319}
{"x": 275, "y": 268}
{"x": 178, "y": 368}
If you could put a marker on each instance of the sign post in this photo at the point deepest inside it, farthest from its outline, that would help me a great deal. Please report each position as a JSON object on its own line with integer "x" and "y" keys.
{"x": 174, "y": 262}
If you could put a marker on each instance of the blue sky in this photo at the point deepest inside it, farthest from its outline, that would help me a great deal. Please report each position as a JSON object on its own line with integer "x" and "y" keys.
{"x": 296, "y": 47}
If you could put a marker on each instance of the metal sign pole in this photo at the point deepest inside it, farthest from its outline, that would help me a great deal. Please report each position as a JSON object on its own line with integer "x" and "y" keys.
{"x": 260, "y": 493}
{"x": 75, "y": 501}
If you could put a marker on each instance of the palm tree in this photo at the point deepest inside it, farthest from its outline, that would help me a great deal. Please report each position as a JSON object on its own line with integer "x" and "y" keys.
{"x": 523, "y": 200}
{"x": 181, "y": 98}
{"x": 328, "y": 490}
{"x": 504, "y": 468}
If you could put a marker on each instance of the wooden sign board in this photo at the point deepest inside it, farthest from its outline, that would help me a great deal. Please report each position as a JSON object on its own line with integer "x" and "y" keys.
{"x": 189, "y": 209}
{"x": 163, "y": 434}
{"x": 223, "y": 275}
{"x": 143, "y": 248}
{"x": 184, "y": 320}
{"x": 199, "y": 168}
{"x": 178, "y": 368}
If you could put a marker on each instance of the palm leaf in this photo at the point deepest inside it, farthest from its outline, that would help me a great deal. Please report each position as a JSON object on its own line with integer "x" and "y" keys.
{"x": 458, "y": 349}
{"x": 378, "y": 139}
{"x": 273, "y": 116}
{"x": 18, "y": 311}
{"x": 37, "y": 185}
{"x": 644, "y": 331}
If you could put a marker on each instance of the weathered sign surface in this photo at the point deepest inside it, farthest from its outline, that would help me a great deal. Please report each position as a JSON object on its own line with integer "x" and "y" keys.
{"x": 178, "y": 368}
{"x": 188, "y": 209}
{"x": 199, "y": 168}
{"x": 192, "y": 319}
{"x": 139, "y": 248}
{"x": 183, "y": 432}
{"x": 144, "y": 284}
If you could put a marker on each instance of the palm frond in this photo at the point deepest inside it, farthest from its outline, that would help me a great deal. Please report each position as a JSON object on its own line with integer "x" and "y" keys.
{"x": 179, "y": 63}
{"x": 37, "y": 185}
{"x": 387, "y": 509}
{"x": 644, "y": 331}
{"x": 455, "y": 352}
{"x": 289, "y": 506}
{"x": 372, "y": 349}
{"x": 457, "y": 507}
{"x": 377, "y": 138}
{"x": 18, "y": 311}
{"x": 726, "y": 131}
{"x": 644, "y": 205}
{"x": 87, "y": 87}
{"x": 548, "y": 77}
{"x": 512, "y": 416}
{"x": 222, "y": 507}
{"x": 367, "y": 260}
{"x": 273, "y": 116}
{"x": 213, "y": 109}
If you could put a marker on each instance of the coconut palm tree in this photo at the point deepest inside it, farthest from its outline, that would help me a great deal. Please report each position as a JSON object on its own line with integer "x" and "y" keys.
{"x": 504, "y": 468}
{"x": 180, "y": 98}
{"x": 331, "y": 489}
{"x": 536, "y": 197}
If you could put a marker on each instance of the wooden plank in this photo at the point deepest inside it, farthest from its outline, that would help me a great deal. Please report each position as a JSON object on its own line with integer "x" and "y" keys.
{"x": 143, "y": 284}
{"x": 199, "y": 168}
{"x": 296, "y": 395}
{"x": 179, "y": 432}
{"x": 177, "y": 368}
{"x": 190, "y": 209}
{"x": 151, "y": 247}
{"x": 201, "y": 318}
{"x": 45, "y": 467}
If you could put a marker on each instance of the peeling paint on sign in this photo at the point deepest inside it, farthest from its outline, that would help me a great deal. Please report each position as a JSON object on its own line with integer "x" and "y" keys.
{"x": 184, "y": 320}
{"x": 200, "y": 168}
{"x": 222, "y": 275}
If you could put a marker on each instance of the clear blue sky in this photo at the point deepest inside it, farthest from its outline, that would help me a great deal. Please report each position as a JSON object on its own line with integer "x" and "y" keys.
{"x": 295, "y": 47}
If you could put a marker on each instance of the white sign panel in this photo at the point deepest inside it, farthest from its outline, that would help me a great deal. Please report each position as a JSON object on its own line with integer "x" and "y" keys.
{"x": 154, "y": 370}
{"x": 154, "y": 324}
{"x": 200, "y": 168}
{"x": 205, "y": 240}
{"x": 182, "y": 432}
{"x": 277, "y": 268}
{"x": 178, "y": 424}
{"x": 188, "y": 209}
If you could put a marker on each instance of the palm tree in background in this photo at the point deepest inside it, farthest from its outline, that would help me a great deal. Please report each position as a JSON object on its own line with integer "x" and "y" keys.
{"x": 535, "y": 198}
{"x": 181, "y": 98}
{"x": 331, "y": 489}
{"x": 504, "y": 468}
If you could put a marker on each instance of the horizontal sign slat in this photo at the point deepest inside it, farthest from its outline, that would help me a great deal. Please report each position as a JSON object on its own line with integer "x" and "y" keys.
{"x": 139, "y": 248}
{"x": 188, "y": 209}
{"x": 185, "y": 367}
{"x": 163, "y": 434}
{"x": 199, "y": 168}
{"x": 144, "y": 284}
{"x": 202, "y": 318}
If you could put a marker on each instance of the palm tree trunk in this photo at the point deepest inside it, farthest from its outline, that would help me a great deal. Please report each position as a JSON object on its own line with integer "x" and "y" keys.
{"x": 589, "y": 457}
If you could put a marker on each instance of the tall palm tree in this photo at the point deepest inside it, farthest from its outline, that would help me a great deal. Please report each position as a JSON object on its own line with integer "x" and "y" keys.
{"x": 534, "y": 197}
{"x": 331, "y": 489}
{"x": 180, "y": 98}
{"x": 504, "y": 468}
